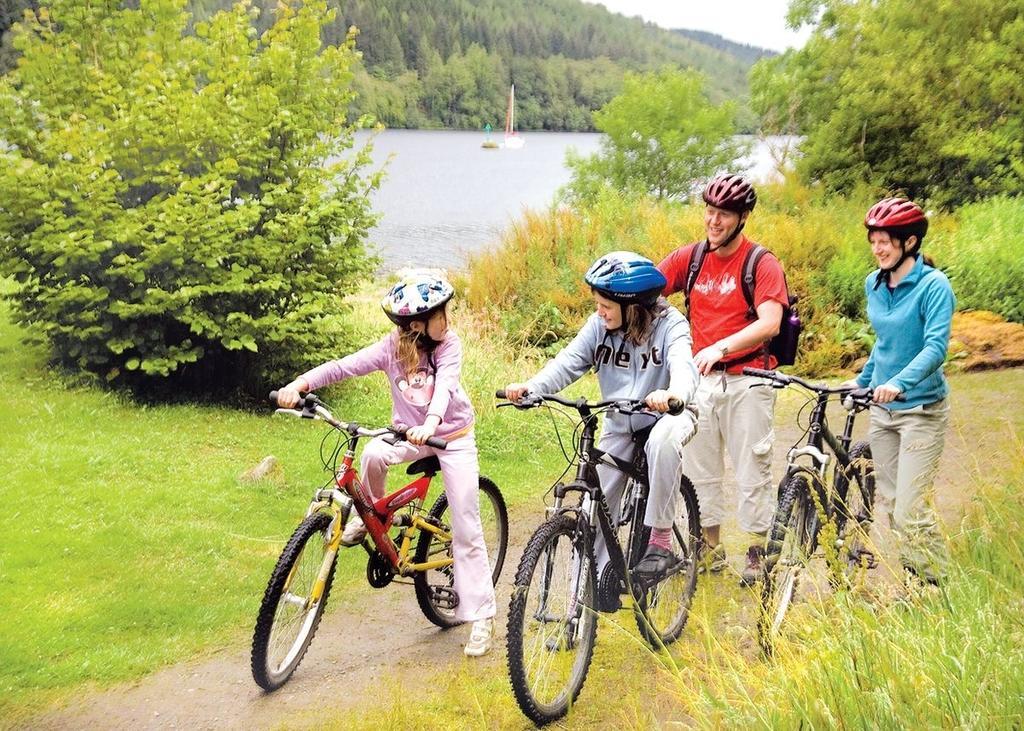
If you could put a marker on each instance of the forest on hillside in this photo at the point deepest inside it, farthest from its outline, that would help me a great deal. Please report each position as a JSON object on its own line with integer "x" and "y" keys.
{"x": 427, "y": 64}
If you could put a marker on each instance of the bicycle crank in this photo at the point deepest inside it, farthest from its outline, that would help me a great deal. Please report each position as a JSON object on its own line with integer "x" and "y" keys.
{"x": 379, "y": 572}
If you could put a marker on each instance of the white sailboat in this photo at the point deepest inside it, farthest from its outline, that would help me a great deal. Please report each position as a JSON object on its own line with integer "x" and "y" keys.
{"x": 512, "y": 140}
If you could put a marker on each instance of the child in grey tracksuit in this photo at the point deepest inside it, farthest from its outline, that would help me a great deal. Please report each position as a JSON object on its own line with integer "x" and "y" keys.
{"x": 640, "y": 348}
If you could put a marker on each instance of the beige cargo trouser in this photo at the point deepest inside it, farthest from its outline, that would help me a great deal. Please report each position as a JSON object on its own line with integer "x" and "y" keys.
{"x": 741, "y": 419}
{"x": 906, "y": 446}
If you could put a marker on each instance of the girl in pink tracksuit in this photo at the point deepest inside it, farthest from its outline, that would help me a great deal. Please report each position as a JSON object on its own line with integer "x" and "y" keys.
{"x": 423, "y": 362}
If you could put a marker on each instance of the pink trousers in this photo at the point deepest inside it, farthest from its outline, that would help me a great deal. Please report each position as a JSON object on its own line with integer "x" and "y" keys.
{"x": 461, "y": 472}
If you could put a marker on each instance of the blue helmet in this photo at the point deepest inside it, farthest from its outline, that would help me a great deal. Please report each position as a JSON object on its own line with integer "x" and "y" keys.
{"x": 626, "y": 278}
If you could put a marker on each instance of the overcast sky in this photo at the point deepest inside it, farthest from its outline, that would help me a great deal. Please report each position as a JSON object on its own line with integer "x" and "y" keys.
{"x": 755, "y": 22}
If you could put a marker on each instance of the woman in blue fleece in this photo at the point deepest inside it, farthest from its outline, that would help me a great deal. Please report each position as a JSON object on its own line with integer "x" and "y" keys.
{"x": 641, "y": 349}
{"x": 910, "y": 305}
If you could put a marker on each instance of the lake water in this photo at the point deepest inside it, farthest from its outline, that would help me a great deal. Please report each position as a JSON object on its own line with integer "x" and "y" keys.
{"x": 444, "y": 196}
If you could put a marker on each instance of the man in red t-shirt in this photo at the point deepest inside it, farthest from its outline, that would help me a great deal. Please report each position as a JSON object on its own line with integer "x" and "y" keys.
{"x": 727, "y": 337}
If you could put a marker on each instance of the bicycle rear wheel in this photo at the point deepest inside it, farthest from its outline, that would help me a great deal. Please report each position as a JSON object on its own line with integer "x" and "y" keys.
{"x": 435, "y": 589}
{"x": 288, "y": 616}
{"x": 551, "y": 620}
{"x": 662, "y": 609}
{"x": 790, "y": 545}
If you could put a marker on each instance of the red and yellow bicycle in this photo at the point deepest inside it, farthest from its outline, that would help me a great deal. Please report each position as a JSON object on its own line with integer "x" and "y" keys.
{"x": 420, "y": 549}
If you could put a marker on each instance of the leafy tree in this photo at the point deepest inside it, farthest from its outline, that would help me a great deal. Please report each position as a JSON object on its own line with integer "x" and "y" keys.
{"x": 663, "y": 136}
{"x": 922, "y": 96}
{"x": 173, "y": 205}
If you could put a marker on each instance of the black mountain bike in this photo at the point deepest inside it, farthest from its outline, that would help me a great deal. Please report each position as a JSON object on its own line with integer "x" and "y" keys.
{"x": 829, "y": 482}
{"x": 552, "y": 619}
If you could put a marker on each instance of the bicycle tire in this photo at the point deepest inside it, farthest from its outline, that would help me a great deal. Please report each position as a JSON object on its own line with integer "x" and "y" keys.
{"x": 855, "y": 508}
{"x": 661, "y": 611}
{"x": 276, "y": 651}
{"x": 436, "y": 588}
{"x": 789, "y": 548}
{"x": 542, "y": 639}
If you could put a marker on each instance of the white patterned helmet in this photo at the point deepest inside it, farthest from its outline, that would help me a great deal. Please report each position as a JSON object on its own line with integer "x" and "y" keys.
{"x": 416, "y": 298}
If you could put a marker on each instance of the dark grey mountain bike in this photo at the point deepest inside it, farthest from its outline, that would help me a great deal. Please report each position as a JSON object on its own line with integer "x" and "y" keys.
{"x": 828, "y": 482}
{"x": 552, "y": 620}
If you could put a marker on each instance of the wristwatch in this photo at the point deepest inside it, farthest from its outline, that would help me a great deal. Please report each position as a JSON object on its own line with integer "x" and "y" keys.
{"x": 723, "y": 347}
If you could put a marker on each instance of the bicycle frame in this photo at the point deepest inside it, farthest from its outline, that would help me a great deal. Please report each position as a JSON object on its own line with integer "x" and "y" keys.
{"x": 820, "y": 436}
{"x": 379, "y": 516}
{"x": 593, "y": 507}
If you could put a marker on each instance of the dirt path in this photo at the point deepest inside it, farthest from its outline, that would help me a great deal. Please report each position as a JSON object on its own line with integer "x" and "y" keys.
{"x": 344, "y": 669}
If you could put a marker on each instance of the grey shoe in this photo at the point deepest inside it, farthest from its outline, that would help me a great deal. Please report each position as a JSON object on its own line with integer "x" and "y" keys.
{"x": 752, "y": 571}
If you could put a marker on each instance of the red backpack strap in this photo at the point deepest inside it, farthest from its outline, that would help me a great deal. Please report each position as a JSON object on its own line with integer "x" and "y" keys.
{"x": 697, "y": 254}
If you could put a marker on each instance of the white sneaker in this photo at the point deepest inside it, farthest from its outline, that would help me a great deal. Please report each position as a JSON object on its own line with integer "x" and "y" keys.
{"x": 355, "y": 531}
{"x": 480, "y": 636}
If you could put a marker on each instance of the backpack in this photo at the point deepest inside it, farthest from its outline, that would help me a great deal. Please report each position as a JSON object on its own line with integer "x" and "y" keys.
{"x": 784, "y": 345}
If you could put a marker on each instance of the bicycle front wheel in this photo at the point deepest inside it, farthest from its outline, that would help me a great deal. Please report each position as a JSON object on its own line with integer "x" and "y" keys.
{"x": 662, "y": 609}
{"x": 289, "y": 614}
{"x": 854, "y": 513}
{"x": 790, "y": 545}
{"x": 435, "y": 588}
{"x": 551, "y": 620}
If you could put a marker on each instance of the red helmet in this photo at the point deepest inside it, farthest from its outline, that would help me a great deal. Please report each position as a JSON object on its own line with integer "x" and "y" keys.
{"x": 731, "y": 192}
{"x": 895, "y": 213}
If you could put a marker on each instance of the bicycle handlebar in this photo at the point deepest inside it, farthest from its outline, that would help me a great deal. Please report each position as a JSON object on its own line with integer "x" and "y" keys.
{"x": 531, "y": 400}
{"x": 310, "y": 407}
{"x": 859, "y": 396}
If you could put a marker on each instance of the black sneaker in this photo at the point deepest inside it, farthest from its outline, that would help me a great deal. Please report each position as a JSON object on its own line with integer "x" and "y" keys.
{"x": 752, "y": 571}
{"x": 656, "y": 563}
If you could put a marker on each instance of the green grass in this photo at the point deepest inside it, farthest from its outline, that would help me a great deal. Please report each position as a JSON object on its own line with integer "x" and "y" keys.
{"x": 131, "y": 544}
{"x": 129, "y": 541}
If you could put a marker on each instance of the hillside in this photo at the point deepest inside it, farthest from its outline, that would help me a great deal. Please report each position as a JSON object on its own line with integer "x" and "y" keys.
{"x": 431, "y": 64}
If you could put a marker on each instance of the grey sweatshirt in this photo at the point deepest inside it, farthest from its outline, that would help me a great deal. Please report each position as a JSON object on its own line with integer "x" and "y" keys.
{"x": 626, "y": 371}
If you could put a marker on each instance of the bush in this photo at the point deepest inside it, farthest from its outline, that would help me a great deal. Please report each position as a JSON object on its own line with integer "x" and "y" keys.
{"x": 985, "y": 260}
{"x": 165, "y": 202}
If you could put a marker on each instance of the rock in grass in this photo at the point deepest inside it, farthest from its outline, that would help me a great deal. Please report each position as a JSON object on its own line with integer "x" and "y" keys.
{"x": 268, "y": 470}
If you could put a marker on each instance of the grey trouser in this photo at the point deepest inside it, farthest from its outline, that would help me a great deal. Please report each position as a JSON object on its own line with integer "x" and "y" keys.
{"x": 664, "y": 448}
{"x": 906, "y": 446}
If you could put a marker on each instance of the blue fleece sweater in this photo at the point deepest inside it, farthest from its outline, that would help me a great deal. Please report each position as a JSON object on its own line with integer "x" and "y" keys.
{"x": 912, "y": 323}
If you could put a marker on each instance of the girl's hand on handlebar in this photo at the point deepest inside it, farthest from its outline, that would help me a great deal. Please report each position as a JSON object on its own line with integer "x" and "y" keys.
{"x": 659, "y": 400}
{"x": 514, "y": 392}
{"x": 885, "y": 393}
{"x": 288, "y": 397}
{"x": 418, "y": 435}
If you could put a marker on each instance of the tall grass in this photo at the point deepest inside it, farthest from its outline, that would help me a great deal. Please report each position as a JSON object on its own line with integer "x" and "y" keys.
{"x": 532, "y": 283}
{"x": 934, "y": 659}
{"x": 985, "y": 260}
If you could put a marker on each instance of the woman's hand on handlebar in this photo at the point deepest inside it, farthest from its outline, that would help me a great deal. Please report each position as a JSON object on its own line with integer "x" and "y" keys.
{"x": 289, "y": 396}
{"x": 514, "y": 392}
{"x": 885, "y": 393}
{"x": 660, "y": 401}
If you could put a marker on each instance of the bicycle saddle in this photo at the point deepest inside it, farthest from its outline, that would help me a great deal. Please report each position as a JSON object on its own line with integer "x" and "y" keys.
{"x": 426, "y": 466}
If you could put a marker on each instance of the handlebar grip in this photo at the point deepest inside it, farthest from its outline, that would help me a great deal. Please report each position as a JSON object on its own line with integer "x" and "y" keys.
{"x": 747, "y": 371}
{"x": 675, "y": 407}
{"x": 437, "y": 443}
{"x": 500, "y": 393}
{"x": 304, "y": 400}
